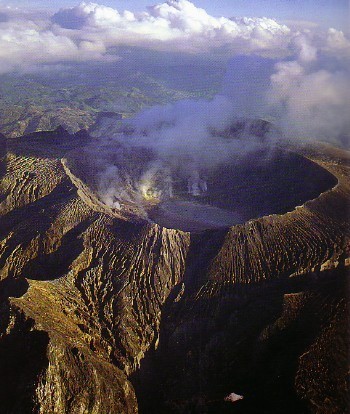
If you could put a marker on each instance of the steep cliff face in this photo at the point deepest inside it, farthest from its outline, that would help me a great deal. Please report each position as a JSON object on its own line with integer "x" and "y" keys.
{"x": 97, "y": 304}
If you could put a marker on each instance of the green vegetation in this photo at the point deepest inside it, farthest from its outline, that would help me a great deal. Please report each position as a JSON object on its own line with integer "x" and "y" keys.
{"x": 36, "y": 102}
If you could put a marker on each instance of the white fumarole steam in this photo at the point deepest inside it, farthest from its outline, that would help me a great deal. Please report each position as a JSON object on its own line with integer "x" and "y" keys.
{"x": 307, "y": 98}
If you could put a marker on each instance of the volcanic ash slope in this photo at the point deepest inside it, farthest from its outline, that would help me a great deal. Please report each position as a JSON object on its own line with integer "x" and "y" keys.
{"x": 95, "y": 306}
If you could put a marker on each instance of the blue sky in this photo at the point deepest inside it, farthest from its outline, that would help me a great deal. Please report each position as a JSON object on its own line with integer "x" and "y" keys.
{"x": 310, "y": 83}
{"x": 332, "y": 13}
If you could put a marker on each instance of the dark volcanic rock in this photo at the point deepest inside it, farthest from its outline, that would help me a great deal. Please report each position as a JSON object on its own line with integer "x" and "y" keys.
{"x": 110, "y": 304}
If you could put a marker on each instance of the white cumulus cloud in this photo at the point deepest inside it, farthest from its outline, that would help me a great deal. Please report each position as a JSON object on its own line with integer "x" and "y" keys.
{"x": 311, "y": 102}
{"x": 91, "y": 31}
{"x": 175, "y": 24}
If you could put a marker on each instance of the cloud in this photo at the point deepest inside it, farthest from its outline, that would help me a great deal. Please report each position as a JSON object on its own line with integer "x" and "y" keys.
{"x": 22, "y": 48}
{"x": 311, "y": 98}
{"x": 187, "y": 139}
{"x": 184, "y": 128}
{"x": 90, "y": 31}
{"x": 178, "y": 24}
{"x": 337, "y": 43}
{"x": 73, "y": 18}
{"x": 171, "y": 145}
{"x": 28, "y": 41}
{"x": 307, "y": 95}
{"x": 3, "y": 17}
{"x": 198, "y": 134}
{"x": 307, "y": 51}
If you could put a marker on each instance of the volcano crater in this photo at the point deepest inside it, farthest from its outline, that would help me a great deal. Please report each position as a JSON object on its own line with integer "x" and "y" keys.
{"x": 178, "y": 193}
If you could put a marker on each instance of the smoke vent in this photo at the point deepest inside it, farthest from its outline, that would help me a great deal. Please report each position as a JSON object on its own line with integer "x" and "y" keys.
{"x": 176, "y": 192}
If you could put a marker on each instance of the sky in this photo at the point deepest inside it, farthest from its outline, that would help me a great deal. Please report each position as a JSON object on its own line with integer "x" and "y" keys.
{"x": 331, "y": 13}
{"x": 309, "y": 62}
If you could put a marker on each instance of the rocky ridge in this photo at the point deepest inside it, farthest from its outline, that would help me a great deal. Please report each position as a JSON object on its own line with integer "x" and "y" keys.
{"x": 110, "y": 315}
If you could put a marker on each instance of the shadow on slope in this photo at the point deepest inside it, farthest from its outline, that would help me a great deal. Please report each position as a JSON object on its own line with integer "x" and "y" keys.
{"x": 22, "y": 360}
{"x": 247, "y": 340}
{"x": 48, "y": 144}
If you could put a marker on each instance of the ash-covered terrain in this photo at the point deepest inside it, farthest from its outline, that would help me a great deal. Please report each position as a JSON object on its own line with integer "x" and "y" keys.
{"x": 174, "y": 207}
{"x": 197, "y": 186}
{"x": 170, "y": 290}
